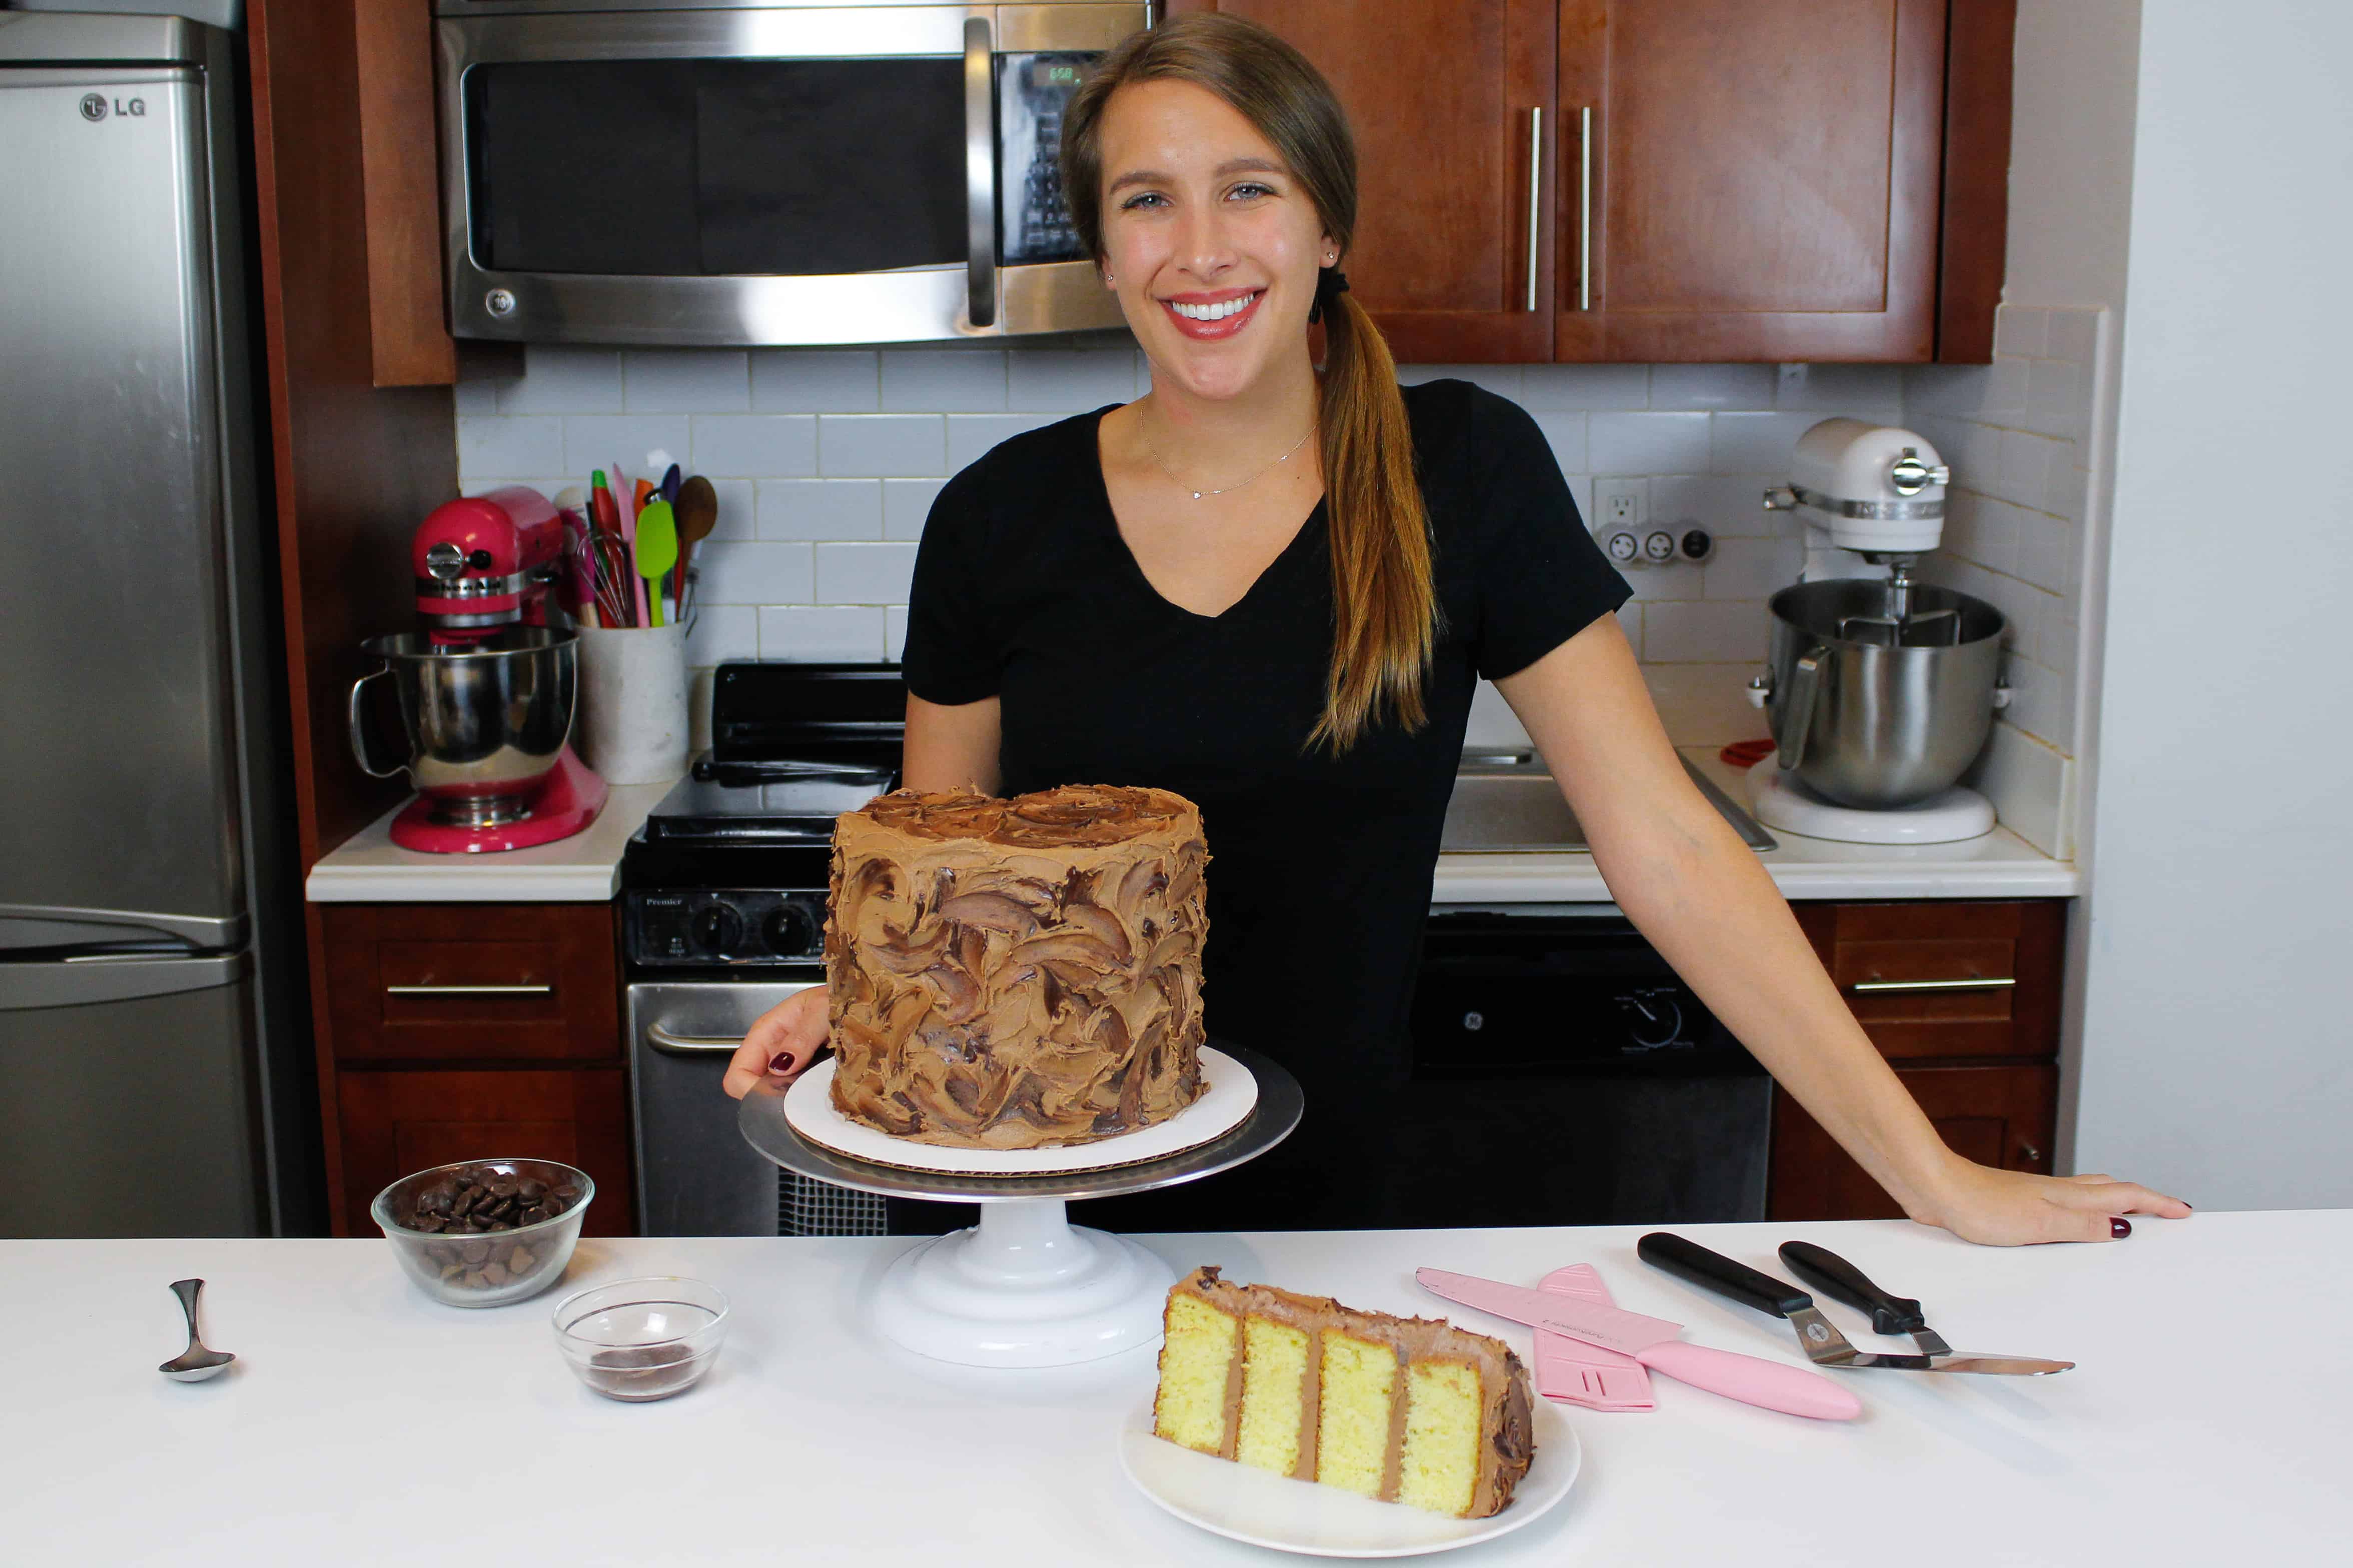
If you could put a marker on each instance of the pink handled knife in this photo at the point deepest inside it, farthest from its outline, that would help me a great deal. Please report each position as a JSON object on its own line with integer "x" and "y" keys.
{"x": 1656, "y": 1344}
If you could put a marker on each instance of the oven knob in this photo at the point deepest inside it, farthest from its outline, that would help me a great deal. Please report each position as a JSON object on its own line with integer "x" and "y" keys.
{"x": 792, "y": 932}
{"x": 1652, "y": 1020}
{"x": 717, "y": 929}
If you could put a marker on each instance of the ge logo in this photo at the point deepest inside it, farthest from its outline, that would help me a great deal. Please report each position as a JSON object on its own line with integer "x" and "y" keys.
{"x": 1818, "y": 1334}
{"x": 93, "y": 106}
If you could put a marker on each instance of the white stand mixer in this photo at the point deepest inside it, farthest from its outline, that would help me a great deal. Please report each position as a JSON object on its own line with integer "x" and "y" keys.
{"x": 1882, "y": 692}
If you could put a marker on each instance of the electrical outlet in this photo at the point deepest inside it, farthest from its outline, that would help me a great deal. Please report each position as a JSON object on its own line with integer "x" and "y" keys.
{"x": 1622, "y": 510}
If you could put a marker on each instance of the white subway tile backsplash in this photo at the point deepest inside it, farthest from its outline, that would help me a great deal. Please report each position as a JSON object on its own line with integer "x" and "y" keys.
{"x": 2074, "y": 335}
{"x": 1682, "y": 579}
{"x": 816, "y": 632}
{"x": 1586, "y": 386}
{"x": 864, "y": 574}
{"x": 721, "y": 632}
{"x": 1756, "y": 443}
{"x": 944, "y": 380}
{"x": 2046, "y": 553}
{"x": 1730, "y": 506}
{"x": 499, "y": 446}
{"x": 1953, "y": 389}
{"x": 970, "y": 435}
{"x": 905, "y": 505}
{"x": 2019, "y": 331}
{"x": 816, "y": 510}
{"x": 1712, "y": 386}
{"x": 601, "y": 440}
{"x": 561, "y": 379}
{"x": 1702, "y": 632}
{"x": 735, "y": 573}
{"x": 686, "y": 381}
{"x": 881, "y": 446}
{"x": 738, "y": 508}
{"x": 1864, "y": 391}
{"x": 894, "y": 633}
{"x": 477, "y": 396}
{"x": 2041, "y": 701}
{"x": 755, "y": 446}
{"x": 1703, "y": 704}
{"x": 814, "y": 381}
{"x": 2005, "y": 391}
{"x": 2023, "y": 470}
{"x": 1752, "y": 569}
{"x": 1647, "y": 443}
{"x": 2027, "y": 782}
{"x": 1630, "y": 621}
{"x": 1564, "y": 434}
{"x": 1069, "y": 381}
{"x": 2055, "y": 405}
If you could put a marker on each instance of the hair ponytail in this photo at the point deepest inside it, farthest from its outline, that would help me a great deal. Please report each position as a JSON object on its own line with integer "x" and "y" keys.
{"x": 1384, "y": 592}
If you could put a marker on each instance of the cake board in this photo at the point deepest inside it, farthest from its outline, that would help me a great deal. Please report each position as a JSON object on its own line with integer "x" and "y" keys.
{"x": 1025, "y": 1287}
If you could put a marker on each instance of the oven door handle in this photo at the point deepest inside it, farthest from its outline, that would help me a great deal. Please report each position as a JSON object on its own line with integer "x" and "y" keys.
{"x": 980, "y": 172}
{"x": 662, "y": 1038}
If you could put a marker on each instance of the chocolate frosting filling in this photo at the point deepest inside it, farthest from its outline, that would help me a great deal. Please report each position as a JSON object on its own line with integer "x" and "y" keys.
{"x": 1019, "y": 973}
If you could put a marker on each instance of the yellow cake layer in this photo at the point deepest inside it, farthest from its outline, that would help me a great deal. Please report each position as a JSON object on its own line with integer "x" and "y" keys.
{"x": 1196, "y": 1358}
{"x": 1274, "y": 1384}
{"x": 1440, "y": 1463}
{"x": 1352, "y": 1432}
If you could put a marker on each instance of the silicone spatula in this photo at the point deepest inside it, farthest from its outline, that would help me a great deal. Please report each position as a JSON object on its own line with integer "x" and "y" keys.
{"x": 657, "y": 549}
{"x": 1657, "y": 1344}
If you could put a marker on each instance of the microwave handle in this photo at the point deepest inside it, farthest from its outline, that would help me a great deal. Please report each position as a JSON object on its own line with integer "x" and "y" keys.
{"x": 980, "y": 172}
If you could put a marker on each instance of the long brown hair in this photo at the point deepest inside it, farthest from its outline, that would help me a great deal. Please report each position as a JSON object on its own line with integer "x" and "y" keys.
{"x": 1384, "y": 598}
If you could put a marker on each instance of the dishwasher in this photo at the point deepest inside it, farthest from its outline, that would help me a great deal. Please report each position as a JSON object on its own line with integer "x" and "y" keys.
{"x": 1562, "y": 1074}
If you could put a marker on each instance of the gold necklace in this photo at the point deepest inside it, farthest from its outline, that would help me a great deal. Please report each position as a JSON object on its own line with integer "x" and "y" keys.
{"x": 1238, "y": 484}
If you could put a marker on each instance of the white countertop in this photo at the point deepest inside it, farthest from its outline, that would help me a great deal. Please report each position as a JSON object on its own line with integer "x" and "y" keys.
{"x": 364, "y": 1424}
{"x": 2000, "y": 864}
{"x": 584, "y": 868}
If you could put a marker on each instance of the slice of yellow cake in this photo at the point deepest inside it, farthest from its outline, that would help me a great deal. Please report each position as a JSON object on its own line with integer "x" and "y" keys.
{"x": 1410, "y": 1410}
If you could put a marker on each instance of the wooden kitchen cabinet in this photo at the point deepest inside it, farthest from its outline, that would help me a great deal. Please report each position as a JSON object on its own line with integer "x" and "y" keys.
{"x": 467, "y": 1031}
{"x": 394, "y": 1123}
{"x": 1964, "y": 998}
{"x": 1450, "y": 100}
{"x": 2004, "y": 1116}
{"x": 1766, "y": 180}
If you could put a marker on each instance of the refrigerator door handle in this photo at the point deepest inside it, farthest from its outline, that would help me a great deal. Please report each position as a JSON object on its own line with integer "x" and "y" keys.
{"x": 75, "y": 983}
{"x": 57, "y": 925}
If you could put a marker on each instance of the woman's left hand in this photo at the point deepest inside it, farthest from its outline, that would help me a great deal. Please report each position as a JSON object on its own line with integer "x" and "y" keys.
{"x": 2014, "y": 1208}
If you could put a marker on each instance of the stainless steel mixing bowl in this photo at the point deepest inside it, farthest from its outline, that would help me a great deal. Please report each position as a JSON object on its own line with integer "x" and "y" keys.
{"x": 1871, "y": 723}
{"x": 485, "y": 724}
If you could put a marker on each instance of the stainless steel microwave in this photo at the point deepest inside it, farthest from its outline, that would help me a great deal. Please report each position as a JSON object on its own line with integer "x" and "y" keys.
{"x": 739, "y": 173}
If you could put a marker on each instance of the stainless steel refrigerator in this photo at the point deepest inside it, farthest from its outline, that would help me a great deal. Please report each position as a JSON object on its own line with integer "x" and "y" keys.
{"x": 151, "y": 1071}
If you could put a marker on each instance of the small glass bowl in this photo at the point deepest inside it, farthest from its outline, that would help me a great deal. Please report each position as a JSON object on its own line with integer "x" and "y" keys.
{"x": 642, "y": 1339}
{"x": 429, "y": 1258}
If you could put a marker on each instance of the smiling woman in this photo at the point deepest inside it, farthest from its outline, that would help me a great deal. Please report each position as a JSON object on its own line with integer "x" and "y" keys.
{"x": 1271, "y": 586}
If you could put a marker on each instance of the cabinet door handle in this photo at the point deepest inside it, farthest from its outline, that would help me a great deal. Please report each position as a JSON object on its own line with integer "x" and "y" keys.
{"x": 1535, "y": 195}
{"x": 470, "y": 990}
{"x": 691, "y": 1045}
{"x": 2029, "y": 1153}
{"x": 1885, "y": 987}
{"x": 1585, "y": 208}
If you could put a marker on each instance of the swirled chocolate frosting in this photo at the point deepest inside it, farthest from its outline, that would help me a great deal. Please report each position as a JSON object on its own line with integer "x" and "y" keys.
{"x": 1018, "y": 973}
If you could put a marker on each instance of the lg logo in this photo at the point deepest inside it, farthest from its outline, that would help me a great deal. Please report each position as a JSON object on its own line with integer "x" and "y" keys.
{"x": 95, "y": 106}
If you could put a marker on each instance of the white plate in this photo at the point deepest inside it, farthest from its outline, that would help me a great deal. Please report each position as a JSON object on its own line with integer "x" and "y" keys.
{"x": 1244, "y": 1503}
{"x": 1229, "y": 1094}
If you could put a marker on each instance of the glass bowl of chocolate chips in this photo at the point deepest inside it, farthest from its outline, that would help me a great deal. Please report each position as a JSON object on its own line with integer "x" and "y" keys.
{"x": 482, "y": 1233}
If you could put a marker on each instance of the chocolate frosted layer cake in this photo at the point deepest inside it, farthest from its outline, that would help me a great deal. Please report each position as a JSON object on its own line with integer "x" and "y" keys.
{"x": 1410, "y": 1410}
{"x": 1019, "y": 973}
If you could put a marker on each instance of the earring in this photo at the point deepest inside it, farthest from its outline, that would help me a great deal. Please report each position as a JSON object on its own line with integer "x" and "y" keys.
{"x": 1109, "y": 280}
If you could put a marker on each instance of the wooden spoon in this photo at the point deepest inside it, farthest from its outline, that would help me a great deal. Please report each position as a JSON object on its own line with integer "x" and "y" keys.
{"x": 698, "y": 514}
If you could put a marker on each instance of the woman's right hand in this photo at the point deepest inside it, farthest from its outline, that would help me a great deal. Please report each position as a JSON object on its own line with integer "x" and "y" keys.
{"x": 781, "y": 1043}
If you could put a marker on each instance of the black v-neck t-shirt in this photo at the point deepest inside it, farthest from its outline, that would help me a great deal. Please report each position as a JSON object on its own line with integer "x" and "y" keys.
{"x": 1320, "y": 864}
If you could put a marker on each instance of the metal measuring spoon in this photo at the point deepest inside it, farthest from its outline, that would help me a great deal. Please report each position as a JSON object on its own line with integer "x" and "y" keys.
{"x": 195, "y": 1364}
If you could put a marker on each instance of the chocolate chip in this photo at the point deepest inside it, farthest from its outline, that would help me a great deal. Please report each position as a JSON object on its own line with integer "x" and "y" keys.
{"x": 496, "y": 1273}
{"x": 475, "y": 1251}
{"x": 502, "y": 1187}
{"x": 520, "y": 1260}
{"x": 531, "y": 1192}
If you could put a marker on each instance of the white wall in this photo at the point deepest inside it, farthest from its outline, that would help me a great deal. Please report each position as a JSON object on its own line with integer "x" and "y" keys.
{"x": 2217, "y": 1031}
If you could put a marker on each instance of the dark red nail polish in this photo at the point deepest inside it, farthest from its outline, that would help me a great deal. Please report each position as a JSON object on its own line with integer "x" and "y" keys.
{"x": 2119, "y": 1228}
{"x": 781, "y": 1063}
{"x": 2187, "y": 1204}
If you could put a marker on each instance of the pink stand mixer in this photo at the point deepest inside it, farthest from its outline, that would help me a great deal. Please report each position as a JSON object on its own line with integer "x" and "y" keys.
{"x": 487, "y": 689}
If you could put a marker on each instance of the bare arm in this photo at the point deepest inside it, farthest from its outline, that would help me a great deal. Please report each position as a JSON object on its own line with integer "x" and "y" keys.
{"x": 1697, "y": 892}
{"x": 947, "y": 748}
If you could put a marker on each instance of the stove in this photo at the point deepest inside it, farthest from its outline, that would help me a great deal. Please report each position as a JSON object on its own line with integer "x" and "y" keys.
{"x": 723, "y": 917}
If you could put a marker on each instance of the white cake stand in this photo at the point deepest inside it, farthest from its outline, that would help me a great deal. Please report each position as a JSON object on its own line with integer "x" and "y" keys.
{"x": 1025, "y": 1287}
